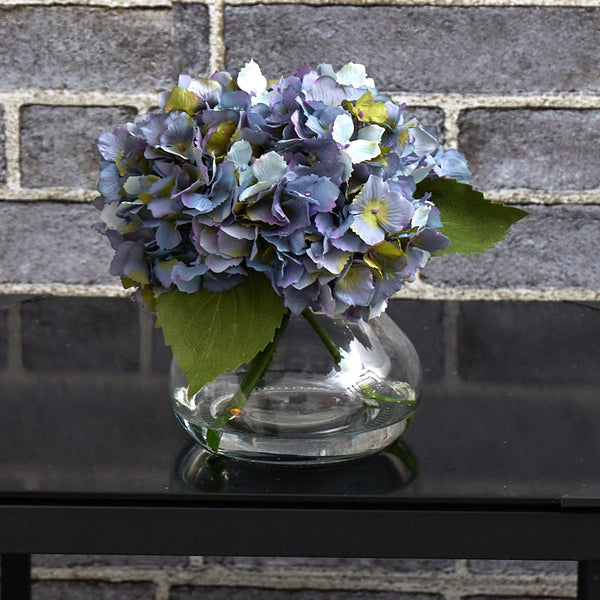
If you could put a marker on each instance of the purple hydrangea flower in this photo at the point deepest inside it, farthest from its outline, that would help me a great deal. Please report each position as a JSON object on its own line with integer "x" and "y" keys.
{"x": 309, "y": 179}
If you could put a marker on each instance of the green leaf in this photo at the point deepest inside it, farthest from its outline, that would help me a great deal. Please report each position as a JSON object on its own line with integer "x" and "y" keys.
{"x": 213, "y": 439}
{"x": 211, "y": 333}
{"x": 472, "y": 223}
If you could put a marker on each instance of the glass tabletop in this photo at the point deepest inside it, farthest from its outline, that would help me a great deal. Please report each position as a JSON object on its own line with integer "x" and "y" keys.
{"x": 509, "y": 412}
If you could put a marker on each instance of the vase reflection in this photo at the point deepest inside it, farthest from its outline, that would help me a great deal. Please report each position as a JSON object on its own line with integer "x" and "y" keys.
{"x": 381, "y": 473}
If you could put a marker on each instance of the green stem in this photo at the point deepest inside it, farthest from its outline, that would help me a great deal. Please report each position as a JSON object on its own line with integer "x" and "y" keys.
{"x": 336, "y": 354}
{"x": 257, "y": 370}
{"x": 329, "y": 342}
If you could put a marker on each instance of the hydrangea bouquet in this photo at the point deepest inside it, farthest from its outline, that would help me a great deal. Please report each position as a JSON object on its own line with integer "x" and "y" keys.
{"x": 244, "y": 201}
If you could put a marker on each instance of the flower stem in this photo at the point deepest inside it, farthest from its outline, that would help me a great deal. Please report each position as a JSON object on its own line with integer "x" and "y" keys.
{"x": 329, "y": 342}
{"x": 257, "y": 370}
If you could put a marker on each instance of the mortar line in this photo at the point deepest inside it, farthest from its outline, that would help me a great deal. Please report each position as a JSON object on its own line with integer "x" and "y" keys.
{"x": 15, "y": 339}
{"x": 538, "y": 197}
{"x": 462, "y": 567}
{"x": 216, "y": 34}
{"x": 427, "y": 291}
{"x": 12, "y": 146}
{"x": 451, "y": 131}
{"x": 568, "y": 100}
{"x": 54, "y": 96}
{"x": 516, "y": 196}
{"x": 414, "y": 291}
{"x": 450, "y": 313}
{"x": 163, "y": 589}
{"x": 61, "y": 97}
{"x": 146, "y": 326}
{"x": 413, "y": 582}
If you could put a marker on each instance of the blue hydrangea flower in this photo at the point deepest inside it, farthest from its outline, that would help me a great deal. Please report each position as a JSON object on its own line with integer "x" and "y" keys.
{"x": 378, "y": 211}
{"x": 309, "y": 179}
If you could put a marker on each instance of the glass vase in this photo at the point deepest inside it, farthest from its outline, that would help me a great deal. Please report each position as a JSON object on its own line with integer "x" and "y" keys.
{"x": 334, "y": 390}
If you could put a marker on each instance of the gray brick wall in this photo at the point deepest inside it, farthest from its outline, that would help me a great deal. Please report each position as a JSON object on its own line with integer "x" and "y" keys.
{"x": 514, "y": 87}
{"x": 49, "y": 136}
{"x": 45, "y": 242}
{"x": 525, "y": 115}
{"x": 532, "y": 148}
{"x": 518, "y": 567}
{"x": 366, "y": 565}
{"x": 214, "y": 593}
{"x": 91, "y": 590}
{"x": 83, "y": 48}
{"x": 427, "y": 48}
{"x": 57, "y": 561}
{"x": 543, "y": 250}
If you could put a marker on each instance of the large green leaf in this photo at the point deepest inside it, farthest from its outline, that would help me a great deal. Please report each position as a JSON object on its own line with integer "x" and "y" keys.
{"x": 472, "y": 223}
{"x": 211, "y": 333}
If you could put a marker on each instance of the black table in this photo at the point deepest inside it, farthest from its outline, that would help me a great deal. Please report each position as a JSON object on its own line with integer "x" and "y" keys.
{"x": 502, "y": 461}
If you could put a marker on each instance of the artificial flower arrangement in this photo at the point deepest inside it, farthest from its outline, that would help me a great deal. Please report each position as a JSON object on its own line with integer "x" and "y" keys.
{"x": 243, "y": 201}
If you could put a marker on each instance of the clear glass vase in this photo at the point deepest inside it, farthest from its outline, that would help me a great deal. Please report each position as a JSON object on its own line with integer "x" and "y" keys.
{"x": 334, "y": 390}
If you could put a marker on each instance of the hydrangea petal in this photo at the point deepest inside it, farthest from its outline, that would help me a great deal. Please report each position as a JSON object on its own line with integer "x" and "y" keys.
{"x": 109, "y": 183}
{"x": 454, "y": 165}
{"x": 179, "y": 136}
{"x": 258, "y": 189}
{"x": 240, "y": 154}
{"x": 110, "y": 144}
{"x": 297, "y": 300}
{"x": 180, "y": 99}
{"x": 218, "y": 264}
{"x": 326, "y": 90}
{"x": 167, "y": 236}
{"x": 333, "y": 261}
{"x": 318, "y": 191}
{"x": 354, "y": 75}
{"x": 361, "y": 150}
{"x": 188, "y": 279}
{"x": 373, "y": 133}
{"x": 200, "y": 202}
{"x": 130, "y": 261}
{"x": 269, "y": 167}
{"x": 431, "y": 240}
{"x": 233, "y": 247}
{"x": 221, "y": 282}
{"x": 343, "y": 129}
{"x": 423, "y": 142}
{"x": 355, "y": 288}
{"x": 163, "y": 271}
{"x": 161, "y": 207}
{"x": 378, "y": 211}
{"x": 251, "y": 79}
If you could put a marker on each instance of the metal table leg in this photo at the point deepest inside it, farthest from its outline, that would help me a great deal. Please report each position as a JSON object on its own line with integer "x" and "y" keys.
{"x": 16, "y": 577}
{"x": 588, "y": 580}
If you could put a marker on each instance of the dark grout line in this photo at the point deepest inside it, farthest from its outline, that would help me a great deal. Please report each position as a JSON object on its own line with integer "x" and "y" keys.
{"x": 15, "y": 340}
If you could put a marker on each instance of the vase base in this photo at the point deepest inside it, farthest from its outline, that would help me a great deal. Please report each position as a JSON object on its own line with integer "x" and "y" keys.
{"x": 301, "y": 425}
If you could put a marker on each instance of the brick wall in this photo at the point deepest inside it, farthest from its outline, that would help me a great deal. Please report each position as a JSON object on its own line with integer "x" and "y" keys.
{"x": 514, "y": 85}
{"x": 111, "y": 335}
